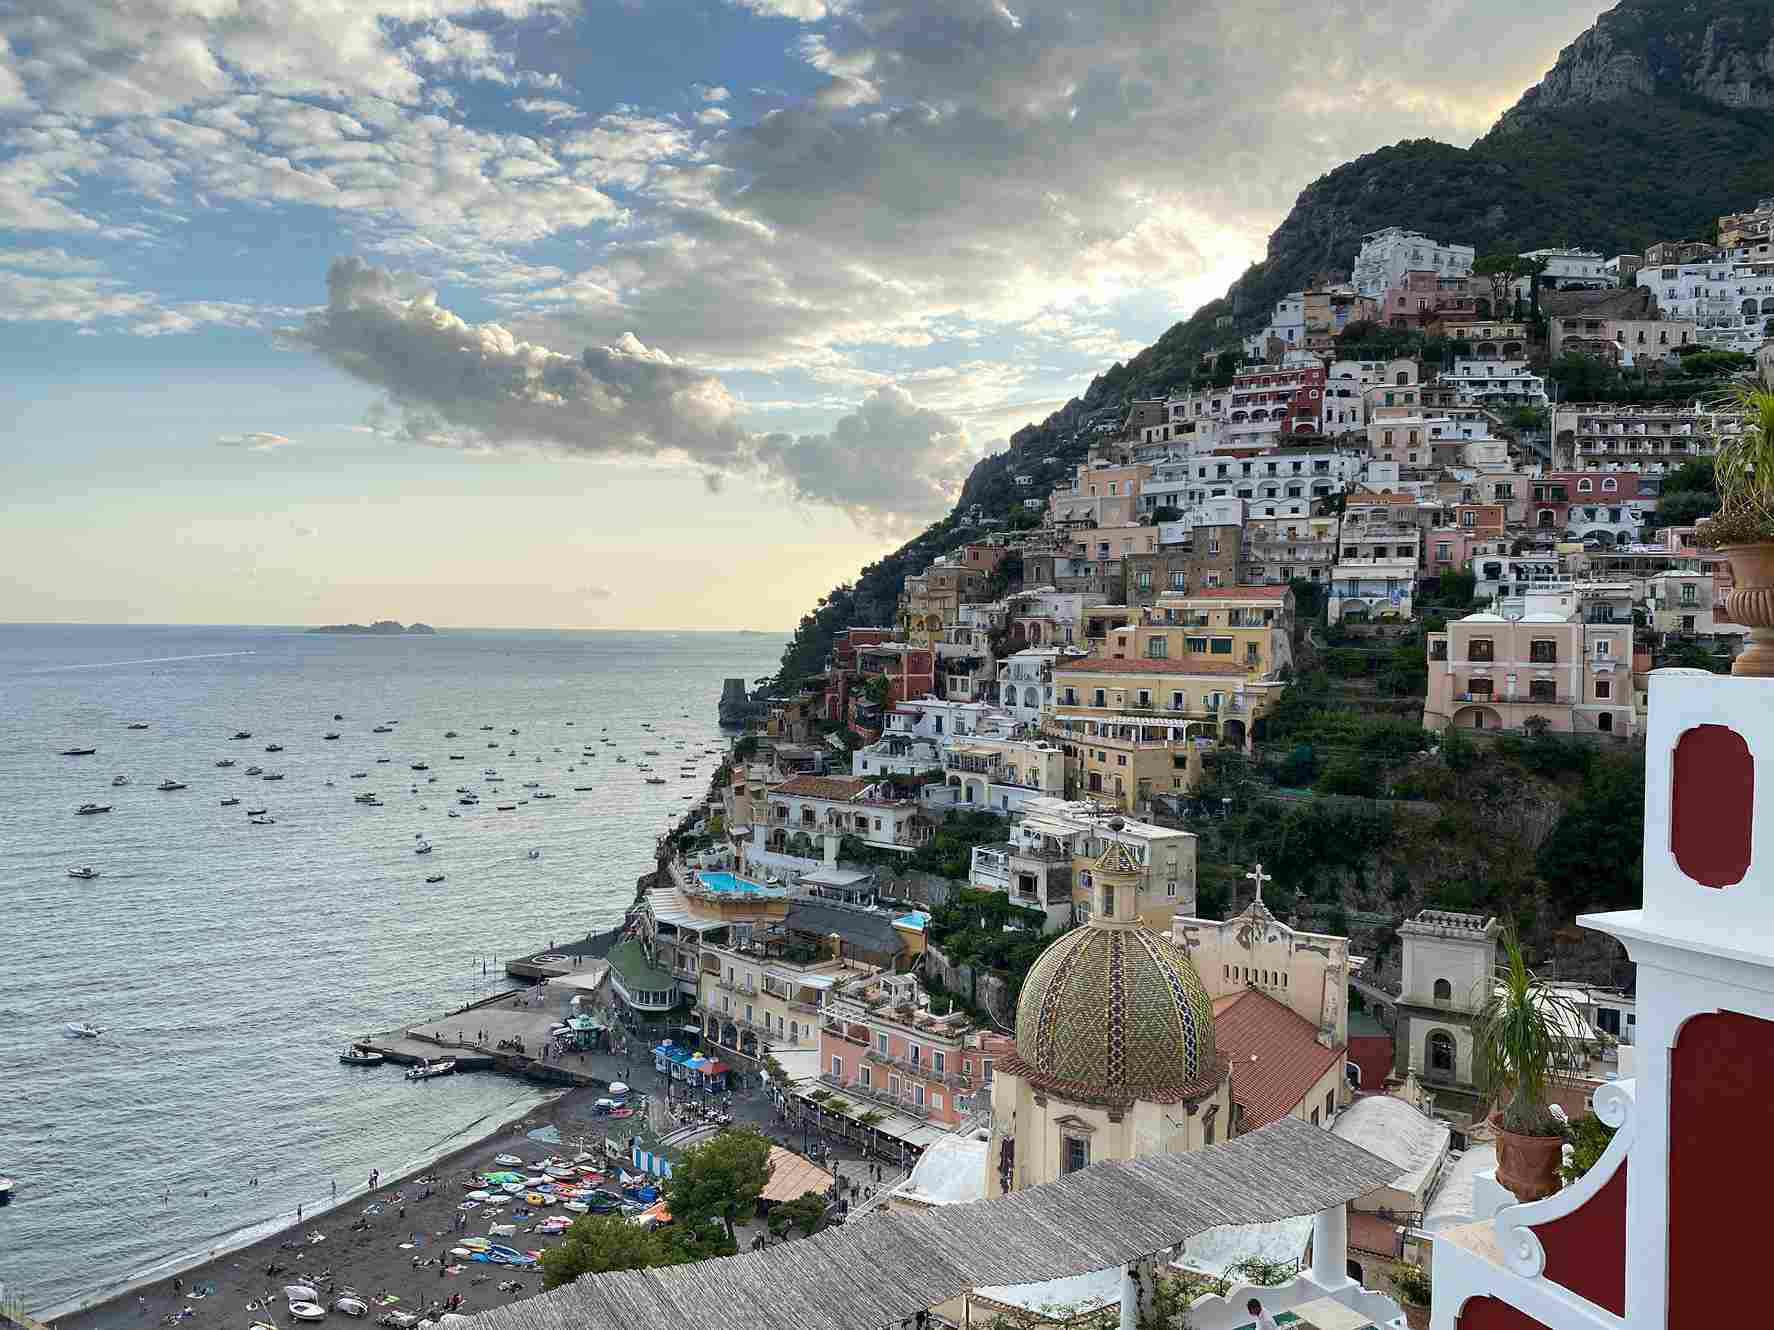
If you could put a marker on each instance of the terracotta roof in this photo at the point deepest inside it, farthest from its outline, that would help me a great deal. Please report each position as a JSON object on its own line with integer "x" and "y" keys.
{"x": 1289, "y": 1060}
{"x": 1232, "y": 593}
{"x": 1360, "y": 500}
{"x": 825, "y": 787}
{"x": 1145, "y": 665}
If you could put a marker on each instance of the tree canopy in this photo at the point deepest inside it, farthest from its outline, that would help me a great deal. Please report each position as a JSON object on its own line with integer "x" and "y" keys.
{"x": 719, "y": 1180}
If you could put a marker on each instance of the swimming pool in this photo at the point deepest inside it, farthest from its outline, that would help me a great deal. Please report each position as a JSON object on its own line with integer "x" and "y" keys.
{"x": 732, "y": 882}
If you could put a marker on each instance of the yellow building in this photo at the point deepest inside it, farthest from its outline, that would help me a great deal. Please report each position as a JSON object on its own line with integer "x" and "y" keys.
{"x": 1115, "y": 1053}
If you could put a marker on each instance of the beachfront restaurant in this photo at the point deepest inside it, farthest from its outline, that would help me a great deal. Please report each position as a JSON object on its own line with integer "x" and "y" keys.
{"x": 694, "y": 1069}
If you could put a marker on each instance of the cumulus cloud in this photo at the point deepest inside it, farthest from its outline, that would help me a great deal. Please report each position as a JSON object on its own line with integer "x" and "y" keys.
{"x": 258, "y": 441}
{"x": 549, "y": 108}
{"x": 450, "y": 383}
{"x": 712, "y": 115}
{"x": 715, "y": 94}
{"x": 803, "y": 11}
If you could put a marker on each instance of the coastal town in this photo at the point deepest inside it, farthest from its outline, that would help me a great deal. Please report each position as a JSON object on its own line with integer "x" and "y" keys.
{"x": 957, "y": 943}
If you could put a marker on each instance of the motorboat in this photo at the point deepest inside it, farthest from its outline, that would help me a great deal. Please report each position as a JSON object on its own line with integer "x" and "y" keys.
{"x": 350, "y": 1306}
{"x": 120, "y": 779}
{"x": 428, "y": 1070}
{"x": 359, "y": 775}
{"x": 514, "y": 731}
{"x": 382, "y": 729}
{"x": 582, "y": 789}
{"x": 506, "y": 808}
{"x": 84, "y": 872}
{"x": 273, "y": 775}
{"x": 451, "y": 734}
{"x": 224, "y": 762}
{"x": 435, "y": 878}
{"x": 423, "y": 847}
{"x": 262, "y": 821}
{"x": 367, "y": 797}
{"x": 468, "y": 800}
{"x": 655, "y": 780}
{"x": 542, "y": 794}
{"x": 170, "y": 784}
{"x": 535, "y": 854}
{"x": 421, "y": 766}
{"x": 229, "y": 803}
{"x": 384, "y": 759}
{"x": 371, "y": 802}
{"x": 83, "y": 1029}
{"x": 453, "y": 813}
{"x": 492, "y": 745}
{"x": 649, "y": 752}
{"x": 532, "y": 785}
{"x": 486, "y": 727}
{"x": 257, "y": 812}
{"x": 458, "y": 757}
{"x": 136, "y": 725}
{"x": 273, "y": 748}
{"x": 361, "y": 1057}
{"x": 243, "y": 734}
{"x": 78, "y": 752}
{"x": 338, "y": 716}
{"x": 87, "y": 809}
{"x": 255, "y": 771}
{"x": 307, "y": 1311}
{"x": 330, "y": 734}
{"x": 6, "y": 1185}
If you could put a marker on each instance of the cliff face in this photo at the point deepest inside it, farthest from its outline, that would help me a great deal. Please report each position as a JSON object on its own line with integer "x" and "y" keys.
{"x": 1723, "y": 54}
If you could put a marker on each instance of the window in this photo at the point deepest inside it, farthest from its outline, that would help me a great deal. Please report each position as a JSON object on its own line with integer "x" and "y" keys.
{"x": 1603, "y": 690}
{"x": 1330, "y": 1102}
{"x": 1196, "y": 644}
{"x": 1688, "y": 593}
{"x": 1542, "y": 690}
{"x": 1076, "y": 1154}
{"x": 1610, "y": 484}
{"x": 936, "y": 1060}
{"x": 1143, "y": 580}
{"x": 1222, "y": 646}
{"x": 1479, "y": 687}
{"x": 1479, "y": 649}
{"x": 837, "y": 1067}
{"x": 1444, "y": 991}
{"x": 1605, "y": 722}
{"x": 914, "y": 1054}
{"x": 881, "y": 1044}
{"x": 1158, "y": 648}
{"x": 1542, "y": 651}
{"x": 1101, "y": 698}
{"x": 862, "y": 1073}
{"x": 1441, "y": 1052}
{"x": 1585, "y": 485}
{"x": 935, "y": 1102}
{"x": 1604, "y": 647}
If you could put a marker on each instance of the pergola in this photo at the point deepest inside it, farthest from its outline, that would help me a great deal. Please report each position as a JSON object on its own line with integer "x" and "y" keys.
{"x": 888, "y": 1268}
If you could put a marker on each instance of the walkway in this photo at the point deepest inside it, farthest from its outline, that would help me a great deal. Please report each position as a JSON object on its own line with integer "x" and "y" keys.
{"x": 886, "y": 1269}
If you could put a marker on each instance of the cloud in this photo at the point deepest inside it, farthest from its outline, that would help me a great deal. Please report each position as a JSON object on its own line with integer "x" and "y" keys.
{"x": 453, "y": 384}
{"x": 715, "y": 94}
{"x": 258, "y": 441}
{"x": 712, "y": 115}
{"x": 803, "y": 11}
{"x": 549, "y": 109}
{"x": 888, "y": 459}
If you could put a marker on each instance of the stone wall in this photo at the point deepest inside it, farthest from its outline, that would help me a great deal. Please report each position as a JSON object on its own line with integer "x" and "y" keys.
{"x": 985, "y": 989}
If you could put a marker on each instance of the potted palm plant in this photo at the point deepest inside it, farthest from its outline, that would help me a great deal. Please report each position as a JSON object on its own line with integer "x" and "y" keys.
{"x": 1523, "y": 1033}
{"x": 1743, "y": 528}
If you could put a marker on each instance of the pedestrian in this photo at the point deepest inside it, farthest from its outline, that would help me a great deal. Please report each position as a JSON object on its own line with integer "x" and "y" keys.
{"x": 335, "y": 1189}
{"x": 178, "y": 1286}
{"x": 298, "y": 1209}
{"x": 1264, "y": 1321}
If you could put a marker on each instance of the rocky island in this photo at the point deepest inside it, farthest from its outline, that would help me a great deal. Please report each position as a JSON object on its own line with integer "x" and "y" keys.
{"x": 380, "y": 628}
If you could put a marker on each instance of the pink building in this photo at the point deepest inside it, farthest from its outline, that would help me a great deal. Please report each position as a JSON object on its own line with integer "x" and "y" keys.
{"x": 1423, "y": 297}
{"x": 878, "y": 1042}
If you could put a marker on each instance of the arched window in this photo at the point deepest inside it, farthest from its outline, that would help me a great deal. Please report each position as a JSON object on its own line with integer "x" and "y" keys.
{"x": 1444, "y": 991}
{"x": 1610, "y": 484}
{"x": 1749, "y": 307}
{"x": 1585, "y": 485}
{"x": 1031, "y": 698}
{"x": 794, "y": 1032}
{"x": 1441, "y": 1052}
{"x": 1403, "y": 378}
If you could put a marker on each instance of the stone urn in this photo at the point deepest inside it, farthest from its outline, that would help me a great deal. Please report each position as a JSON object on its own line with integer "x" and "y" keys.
{"x": 1751, "y": 603}
{"x": 1528, "y": 1165}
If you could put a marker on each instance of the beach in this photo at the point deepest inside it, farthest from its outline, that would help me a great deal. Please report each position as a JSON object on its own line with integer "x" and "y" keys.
{"x": 393, "y": 1252}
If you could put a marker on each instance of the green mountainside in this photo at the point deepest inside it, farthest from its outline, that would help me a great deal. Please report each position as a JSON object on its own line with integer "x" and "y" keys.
{"x": 1652, "y": 124}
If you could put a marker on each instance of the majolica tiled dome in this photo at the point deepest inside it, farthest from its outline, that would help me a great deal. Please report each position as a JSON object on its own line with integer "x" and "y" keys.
{"x": 1113, "y": 1011}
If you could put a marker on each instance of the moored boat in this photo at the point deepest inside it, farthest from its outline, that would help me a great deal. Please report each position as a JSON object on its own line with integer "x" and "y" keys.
{"x": 428, "y": 1070}
{"x": 78, "y": 752}
{"x": 85, "y": 872}
{"x": 243, "y": 734}
{"x": 361, "y": 1057}
{"x": 86, "y": 810}
{"x": 6, "y": 1186}
{"x": 255, "y": 771}
{"x": 170, "y": 784}
{"x": 83, "y": 1029}
{"x": 224, "y": 761}
{"x": 120, "y": 779}
{"x": 229, "y": 803}
{"x": 347, "y": 1305}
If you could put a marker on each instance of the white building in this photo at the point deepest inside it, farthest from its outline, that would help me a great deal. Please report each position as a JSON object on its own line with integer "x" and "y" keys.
{"x": 1287, "y": 325}
{"x": 1567, "y": 270}
{"x": 990, "y": 773}
{"x": 1496, "y": 383}
{"x": 1387, "y": 255}
{"x": 897, "y": 754}
{"x": 1025, "y": 683}
{"x": 1731, "y": 304}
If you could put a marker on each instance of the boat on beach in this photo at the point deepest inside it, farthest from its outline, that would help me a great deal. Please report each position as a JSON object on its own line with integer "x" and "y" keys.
{"x": 307, "y": 1311}
{"x": 85, "y": 872}
{"x": 428, "y": 1070}
{"x": 351, "y": 1306}
{"x": 83, "y": 1030}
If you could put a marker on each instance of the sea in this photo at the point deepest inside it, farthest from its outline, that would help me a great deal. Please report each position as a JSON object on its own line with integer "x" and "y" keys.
{"x": 228, "y": 963}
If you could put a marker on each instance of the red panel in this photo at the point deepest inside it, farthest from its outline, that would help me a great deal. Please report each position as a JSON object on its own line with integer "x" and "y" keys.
{"x": 1586, "y": 1249}
{"x": 1714, "y": 781}
{"x": 1495, "y": 1314}
{"x": 1721, "y": 1081}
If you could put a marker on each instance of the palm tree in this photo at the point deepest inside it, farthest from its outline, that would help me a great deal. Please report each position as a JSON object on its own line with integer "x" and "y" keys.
{"x": 1744, "y": 470}
{"x": 1521, "y": 1036}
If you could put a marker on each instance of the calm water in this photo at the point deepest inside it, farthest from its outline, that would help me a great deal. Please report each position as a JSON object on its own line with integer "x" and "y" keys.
{"x": 229, "y": 962}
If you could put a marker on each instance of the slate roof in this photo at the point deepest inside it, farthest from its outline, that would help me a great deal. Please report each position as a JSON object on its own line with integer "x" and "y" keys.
{"x": 1289, "y": 1060}
{"x": 874, "y": 932}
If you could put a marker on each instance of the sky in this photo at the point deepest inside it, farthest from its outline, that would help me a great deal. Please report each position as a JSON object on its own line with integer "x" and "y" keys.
{"x": 620, "y": 313}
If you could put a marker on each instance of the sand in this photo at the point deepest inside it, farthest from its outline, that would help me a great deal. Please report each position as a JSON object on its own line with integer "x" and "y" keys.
{"x": 379, "y": 1257}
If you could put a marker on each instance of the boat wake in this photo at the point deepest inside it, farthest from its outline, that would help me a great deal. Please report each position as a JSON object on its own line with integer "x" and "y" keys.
{"x": 148, "y": 660}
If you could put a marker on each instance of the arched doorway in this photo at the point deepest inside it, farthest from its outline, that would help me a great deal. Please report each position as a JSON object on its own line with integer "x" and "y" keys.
{"x": 1477, "y": 718}
{"x": 1232, "y": 733}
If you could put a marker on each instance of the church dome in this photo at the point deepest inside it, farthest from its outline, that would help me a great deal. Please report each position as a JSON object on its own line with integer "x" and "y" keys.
{"x": 1114, "y": 1012}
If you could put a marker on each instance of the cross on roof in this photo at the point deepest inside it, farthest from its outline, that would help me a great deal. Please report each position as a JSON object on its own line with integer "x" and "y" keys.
{"x": 1258, "y": 876}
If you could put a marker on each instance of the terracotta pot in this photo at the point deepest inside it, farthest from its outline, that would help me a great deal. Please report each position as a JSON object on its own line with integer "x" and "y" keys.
{"x": 1751, "y": 603}
{"x": 1415, "y": 1316}
{"x": 1528, "y": 1165}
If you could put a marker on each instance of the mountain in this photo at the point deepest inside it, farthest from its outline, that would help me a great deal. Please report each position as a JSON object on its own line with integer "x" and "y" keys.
{"x": 1648, "y": 127}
